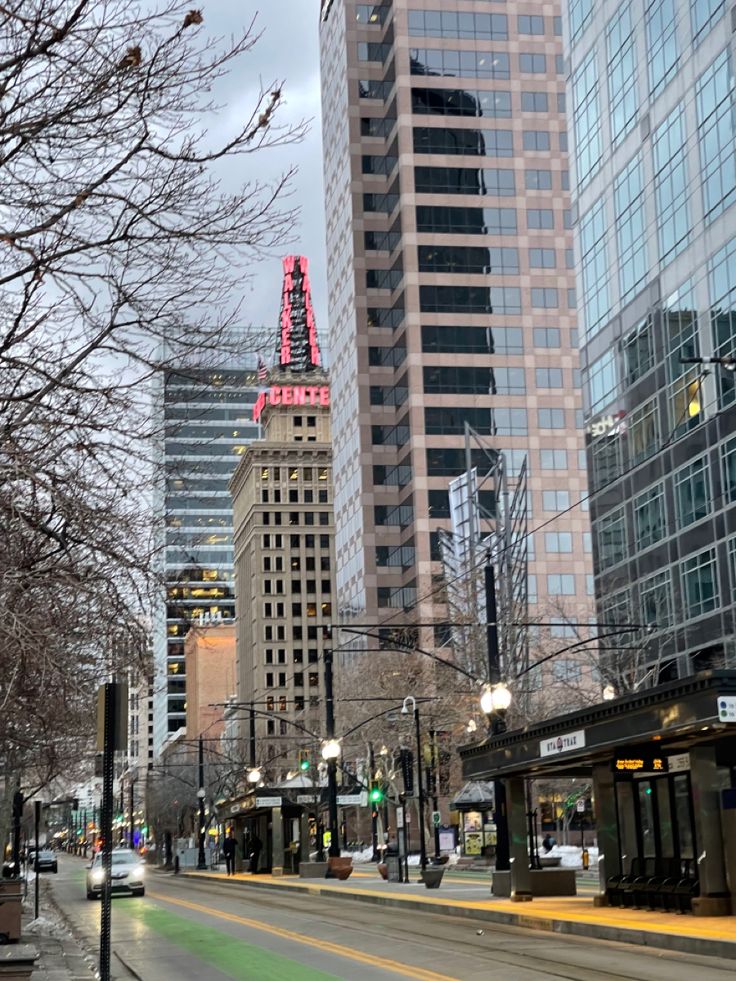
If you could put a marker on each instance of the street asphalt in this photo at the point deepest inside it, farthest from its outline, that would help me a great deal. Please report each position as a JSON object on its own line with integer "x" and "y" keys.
{"x": 205, "y": 930}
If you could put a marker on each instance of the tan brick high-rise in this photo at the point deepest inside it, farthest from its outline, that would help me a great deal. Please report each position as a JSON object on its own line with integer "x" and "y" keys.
{"x": 451, "y": 290}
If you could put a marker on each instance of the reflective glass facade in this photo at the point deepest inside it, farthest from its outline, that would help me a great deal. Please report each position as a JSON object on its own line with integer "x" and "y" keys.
{"x": 207, "y": 419}
{"x": 657, "y": 279}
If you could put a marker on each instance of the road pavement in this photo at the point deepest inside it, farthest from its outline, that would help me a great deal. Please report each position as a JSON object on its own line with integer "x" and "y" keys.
{"x": 204, "y": 930}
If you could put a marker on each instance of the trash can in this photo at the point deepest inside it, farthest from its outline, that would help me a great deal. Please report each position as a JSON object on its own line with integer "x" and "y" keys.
{"x": 393, "y": 864}
{"x": 11, "y": 906}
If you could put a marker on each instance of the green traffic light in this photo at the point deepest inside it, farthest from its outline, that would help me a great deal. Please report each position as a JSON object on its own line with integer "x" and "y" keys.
{"x": 304, "y": 764}
{"x": 376, "y": 795}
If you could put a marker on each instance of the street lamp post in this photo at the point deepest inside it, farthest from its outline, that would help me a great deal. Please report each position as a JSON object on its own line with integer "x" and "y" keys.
{"x": 130, "y": 815}
{"x": 496, "y": 719}
{"x": 330, "y": 753}
{"x": 420, "y": 787}
{"x": 201, "y": 860}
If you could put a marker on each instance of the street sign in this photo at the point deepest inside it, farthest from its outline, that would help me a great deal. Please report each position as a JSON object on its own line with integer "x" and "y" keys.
{"x": 580, "y": 805}
{"x": 727, "y": 708}
{"x": 350, "y": 800}
{"x": 399, "y": 817}
{"x": 268, "y": 802}
{"x": 436, "y": 818}
{"x": 307, "y": 798}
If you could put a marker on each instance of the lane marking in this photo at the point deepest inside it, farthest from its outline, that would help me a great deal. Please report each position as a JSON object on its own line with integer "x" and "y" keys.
{"x": 418, "y": 973}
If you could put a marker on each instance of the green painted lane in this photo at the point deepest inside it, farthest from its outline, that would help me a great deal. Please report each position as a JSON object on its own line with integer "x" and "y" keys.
{"x": 235, "y": 958}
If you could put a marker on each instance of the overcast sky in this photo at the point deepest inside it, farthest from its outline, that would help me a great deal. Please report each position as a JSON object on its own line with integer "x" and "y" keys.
{"x": 288, "y": 51}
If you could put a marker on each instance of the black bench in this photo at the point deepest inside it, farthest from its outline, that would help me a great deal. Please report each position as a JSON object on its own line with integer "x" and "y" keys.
{"x": 615, "y": 884}
{"x": 678, "y": 893}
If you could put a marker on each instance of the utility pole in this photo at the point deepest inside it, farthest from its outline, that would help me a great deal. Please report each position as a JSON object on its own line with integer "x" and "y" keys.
{"x": 432, "y": 781}
{"x": 131, "y": 822}
{"x": 498, "y": 725}
{"x": 109, "y": 726}
{"x": 334, "y": 850}
{"x": 201, "y": 859}
{"x": 37, "y": 830}
{"x": 374, "y": 806}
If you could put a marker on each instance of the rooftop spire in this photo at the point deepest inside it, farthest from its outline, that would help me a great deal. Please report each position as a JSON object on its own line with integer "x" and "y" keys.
{"x": 298, "y": 349}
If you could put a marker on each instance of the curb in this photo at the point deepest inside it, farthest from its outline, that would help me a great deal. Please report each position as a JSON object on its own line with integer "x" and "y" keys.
{"x": 591, "y": 931}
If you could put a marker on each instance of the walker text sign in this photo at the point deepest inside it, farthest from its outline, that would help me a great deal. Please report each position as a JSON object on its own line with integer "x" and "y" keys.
{"x": 291, "y": 395}
{"x": 640, "y": 764}
{"x": 564, "y": 743}
{"x": 727, "y": 708}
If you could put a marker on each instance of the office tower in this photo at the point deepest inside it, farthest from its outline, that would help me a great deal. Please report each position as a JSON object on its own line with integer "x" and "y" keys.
{"x": 284, "y": 542}
{"x": 206, "y": 414}
{"x": 451, "y": 292}
{"x": 650, "y": 95}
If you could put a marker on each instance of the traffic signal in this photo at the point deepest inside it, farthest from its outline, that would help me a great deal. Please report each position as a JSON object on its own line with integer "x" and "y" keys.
{"x": 304, "y": 763}
{"x": 376, "y": 795}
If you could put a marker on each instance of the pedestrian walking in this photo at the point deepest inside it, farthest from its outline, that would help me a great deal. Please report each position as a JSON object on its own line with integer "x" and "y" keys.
{"x": 230, "y": 848}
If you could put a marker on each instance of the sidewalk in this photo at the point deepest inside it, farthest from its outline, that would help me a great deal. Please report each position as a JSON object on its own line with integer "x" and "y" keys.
{"x": 576, "y": 915}
{"x": 61, "y": 958}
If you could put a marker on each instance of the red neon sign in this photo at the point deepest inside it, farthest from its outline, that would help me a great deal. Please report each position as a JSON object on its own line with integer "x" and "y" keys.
{"x": 297, "y": 296}
{"x": 292, "y": 395}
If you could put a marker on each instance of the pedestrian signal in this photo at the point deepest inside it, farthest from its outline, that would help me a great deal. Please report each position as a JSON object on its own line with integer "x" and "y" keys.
{"x": 303, "y": 760}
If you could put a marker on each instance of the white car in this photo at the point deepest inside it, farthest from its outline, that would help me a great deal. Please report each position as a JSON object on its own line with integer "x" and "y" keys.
{"x": 126, "y": 874}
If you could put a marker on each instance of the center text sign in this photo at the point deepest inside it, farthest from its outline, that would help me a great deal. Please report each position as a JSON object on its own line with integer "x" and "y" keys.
{"x": 564, "y": 743}
{"x": 291, "y": 395}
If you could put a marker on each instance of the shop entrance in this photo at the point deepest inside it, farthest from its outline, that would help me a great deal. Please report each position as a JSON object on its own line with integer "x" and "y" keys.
{"x": 655, "y": 817}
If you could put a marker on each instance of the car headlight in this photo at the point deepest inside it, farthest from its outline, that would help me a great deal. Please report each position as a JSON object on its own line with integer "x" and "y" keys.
{"x": 98, "y": 875}
{"x": 137, "y": 872}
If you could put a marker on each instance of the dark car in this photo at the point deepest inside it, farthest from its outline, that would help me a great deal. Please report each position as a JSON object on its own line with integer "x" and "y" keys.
{"x": 47, "y": 861}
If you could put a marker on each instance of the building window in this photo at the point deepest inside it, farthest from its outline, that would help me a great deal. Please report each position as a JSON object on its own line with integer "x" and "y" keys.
{"x": 458, "y": 102}
{"x": 586, "y": 119}
{"x": 669, "y": 145}
{"x": 548, "y": 377}
{"x": 628, "y": 197}
{"x": 448, "y": 23}
{"x": 487, "y": 181}
{"x": 542, "y": 259}
{"x": 553, "y": 459}
{"x": 692, "y": 492}
{"x": 540, "y": 218}
{"x": 567, "y": 670}
{"x": 716, "y": 136}
{"x": 535, "y": 140}
{"x": 544, "y": 298}
{"x": 622, "y": 71}
{"x": 650, "y": 524}
{"x": 644, "y": 434}
{"x": 461, "y": 64}
{"x": 699, "y": 575}
{"x": 662, "y": 57}
{"x": 546, "y": 336}
{"x": 728, "y": 456}
{"x": 534, "y": 102}
{"x": 561, "y": 585}
{"x": 638, "y": 348}
{"x": 555, "y": 500}
{"x": 723, "y": 316}
{"x": 557, "y": 542}
{"x": 531, "y": 63}
{"x": 655, "y": 598}
{"x": 580, "y": 13}
{"x": 602, "y": 381}
{"x": 595, "y": 270}
{"x": 703, "y": 15}
{"x": 551, "y": 418}
{"x": 612, "y": 545}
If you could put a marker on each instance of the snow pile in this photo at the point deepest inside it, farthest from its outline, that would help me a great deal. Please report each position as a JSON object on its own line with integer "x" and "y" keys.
{"x": 571, "y": 856}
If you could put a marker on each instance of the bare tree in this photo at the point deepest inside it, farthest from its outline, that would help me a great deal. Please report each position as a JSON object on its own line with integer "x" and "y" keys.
{"x": 123, "y": 255}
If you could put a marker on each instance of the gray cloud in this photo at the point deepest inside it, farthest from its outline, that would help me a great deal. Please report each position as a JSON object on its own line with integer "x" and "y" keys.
{"x": 287, "y": 51}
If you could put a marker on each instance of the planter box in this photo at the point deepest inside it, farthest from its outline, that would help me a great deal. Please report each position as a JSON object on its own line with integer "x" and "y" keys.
{"x": 339, "y": 867}
{"x": 17, "y": 963}
{"x": 432, "y": 876}
{"x": 544, "y": 882}
{"x": 383, "y": 870}
{"x": 11, "y": 906}
{"x": 312, "y": 870}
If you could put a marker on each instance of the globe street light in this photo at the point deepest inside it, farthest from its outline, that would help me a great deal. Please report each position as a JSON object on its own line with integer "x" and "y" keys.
{"x": 609, "y": 693}
{"x": 331, "y": 749}
{"x": 254, "y": 776}
{"x": 495, "y": 699}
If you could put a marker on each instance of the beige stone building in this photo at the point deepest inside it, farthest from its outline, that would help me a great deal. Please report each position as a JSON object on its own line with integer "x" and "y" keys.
{"x": 284, "y": 542}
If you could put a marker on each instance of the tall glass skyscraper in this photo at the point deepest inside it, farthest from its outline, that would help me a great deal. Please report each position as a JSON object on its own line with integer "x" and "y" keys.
{"x": 653, "y": 167}
{"x": 207, "y": 417}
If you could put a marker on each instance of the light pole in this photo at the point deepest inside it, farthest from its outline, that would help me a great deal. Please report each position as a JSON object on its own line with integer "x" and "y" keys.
{"x": 330, "y": 754}
{"x": 131, "y": 816}
{"x": 496, "y": 717}
{"x": 420, "y": 787}
{"x": 201, "y": 860}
